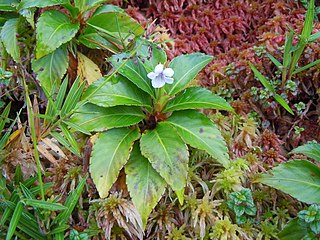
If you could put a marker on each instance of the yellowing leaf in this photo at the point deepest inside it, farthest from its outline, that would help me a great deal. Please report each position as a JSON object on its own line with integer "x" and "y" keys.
{"x": 87, "y": 69}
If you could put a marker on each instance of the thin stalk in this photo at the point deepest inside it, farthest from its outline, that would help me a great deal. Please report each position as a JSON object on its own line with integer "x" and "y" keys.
{"x": 33, "y": 136}
{"x": 85, "y": 100}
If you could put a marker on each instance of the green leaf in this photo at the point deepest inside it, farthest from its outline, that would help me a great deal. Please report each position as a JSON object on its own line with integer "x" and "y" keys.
{"x": 110, "y": 153}
{"x": 9, "y": 38}
{"x": 167, "y": 154}
{"x": 44, "y": 204}
{"x": 108, "y": 8}
{"x": 123, "y": 92}
{"x": 54, "y": 28}
{"x": 145, "y": 185}
{"x": 299, "y": 178}
{"x": 262, "y": 79}
{"x": 80, "y": 4}
{"x": 195, "y": 98}
{"x": 51, "y": 68}
{"x": 198, "y": 131}
{"x": 14, "y": 220}
{"x": 186, "y": 67}
{"x": 8, "y": 5}
{"x": 283, "y": 103}
{"x": 94, "y": 118}
{"x": 134, "y": 71}
{"x": 40, "y": 3}
{"x": 310, "y": 149}
{"x": 293, "y": 230}
{"x": 151, "y": 55}
{"x": 116, "y": 24}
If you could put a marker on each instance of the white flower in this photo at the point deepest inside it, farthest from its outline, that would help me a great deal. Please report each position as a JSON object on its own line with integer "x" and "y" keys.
{"x": 161, "y": 76}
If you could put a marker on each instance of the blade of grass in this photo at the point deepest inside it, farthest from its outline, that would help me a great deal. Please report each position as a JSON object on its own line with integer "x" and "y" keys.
{"x": 59, "y": 229}
{"x": 44, "y": 204}
{"x": 283, "y": 103}
{"x": 69, "y": 137}
{"x": 14, "y": 220}
{"x": 287, "y": 49}
{"x": 314, "y": 37}
{"x": 306, "y": 67}
{"x": 76, "y": 127}
{"x": 70, "y": 203}
{"x": 306, "y": 32}
{"x": 275, "y": 61}
{"x": 33, "y": 134}
{"x": 4, "y": 116}
{"x": 72, "y": 97}
{"x": 63, "y": 142}
{"x": 262, "y": 79}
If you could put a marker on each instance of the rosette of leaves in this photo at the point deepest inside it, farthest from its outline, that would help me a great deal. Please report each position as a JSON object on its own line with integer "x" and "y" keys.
{"x": 60, "y": 29}
{"x": 145, "y": 130}
{"x": 242, "y": 203}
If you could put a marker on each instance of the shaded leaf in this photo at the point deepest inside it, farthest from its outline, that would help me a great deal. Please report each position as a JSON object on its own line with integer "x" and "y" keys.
{"x": 134, "y": 71}
{"x": 109, "y": 154}
{"x": 145, "y": 185}
{"x": 8, "y": 35}
{"x": 195, "y": 98}
{"x": 94, "y": 118}
{"x": 117, "y": 91}
{"x": 186, "y": 67}
{"x": 198, "y": 131}
{"x": 54, "y": 28}
{"x": 51, "y": 68}
{"x": 310, "y": 149}
{"x": 167, "y": 154}
{"x": 299, "y": 178}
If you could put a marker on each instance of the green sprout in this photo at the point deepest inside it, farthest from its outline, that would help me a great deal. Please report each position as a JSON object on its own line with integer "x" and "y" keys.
{"x": 242, "y": 203}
